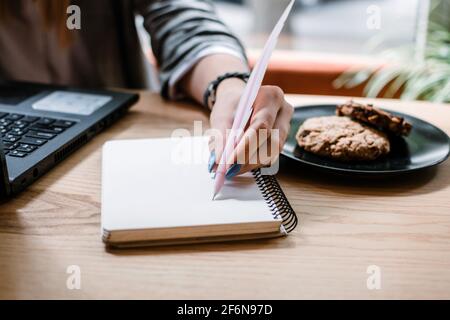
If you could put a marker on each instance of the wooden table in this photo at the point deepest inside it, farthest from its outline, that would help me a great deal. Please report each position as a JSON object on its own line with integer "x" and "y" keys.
{"x": 401, "y": 226}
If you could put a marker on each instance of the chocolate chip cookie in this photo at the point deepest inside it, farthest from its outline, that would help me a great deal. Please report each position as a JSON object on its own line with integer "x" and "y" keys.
{"x": 341, "y": 138}
{"x": 375, "y": 117}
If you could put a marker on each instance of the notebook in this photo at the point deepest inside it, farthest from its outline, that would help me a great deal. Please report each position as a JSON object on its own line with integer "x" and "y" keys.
{"x": 159, "y": 192}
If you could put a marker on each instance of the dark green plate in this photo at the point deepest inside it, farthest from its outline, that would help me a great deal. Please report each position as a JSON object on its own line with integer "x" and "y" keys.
{"x": 426, "y": 146}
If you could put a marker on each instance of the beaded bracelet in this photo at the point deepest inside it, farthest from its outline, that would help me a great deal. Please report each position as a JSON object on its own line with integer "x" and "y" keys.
{"x": 209, "y": 98}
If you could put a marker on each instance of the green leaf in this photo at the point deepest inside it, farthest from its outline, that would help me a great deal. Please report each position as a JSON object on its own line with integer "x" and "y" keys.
{"x": 352, "y": 78}
{"x": 443, "y": 95}
{"x": 380, "y": 80}
{"x": 425, "y": 78}
{"x": 397, "y": 84}
{"x": 423, "y": 84}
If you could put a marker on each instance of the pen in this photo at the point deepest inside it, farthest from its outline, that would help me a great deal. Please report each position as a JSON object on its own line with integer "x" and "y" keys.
{"x": 244, "y": 109}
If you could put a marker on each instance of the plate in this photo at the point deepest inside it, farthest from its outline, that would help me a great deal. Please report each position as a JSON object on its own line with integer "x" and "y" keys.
{"x": 425, "y": 147}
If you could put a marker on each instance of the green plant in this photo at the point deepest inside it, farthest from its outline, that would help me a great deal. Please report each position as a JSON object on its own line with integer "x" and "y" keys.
{"x": 424, "y": 78}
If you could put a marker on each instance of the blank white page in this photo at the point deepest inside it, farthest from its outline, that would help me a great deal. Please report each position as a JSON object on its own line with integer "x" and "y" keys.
{"x": 159, "y": 183}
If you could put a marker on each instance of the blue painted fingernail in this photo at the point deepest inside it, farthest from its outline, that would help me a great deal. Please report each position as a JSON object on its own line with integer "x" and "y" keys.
{"x": 212, "y": 161}
{"x": 233, "y": 171}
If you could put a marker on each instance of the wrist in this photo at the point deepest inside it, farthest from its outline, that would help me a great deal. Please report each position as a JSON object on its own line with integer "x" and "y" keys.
{"x": 230, "y": 90}
{"x": 228, "y": 86}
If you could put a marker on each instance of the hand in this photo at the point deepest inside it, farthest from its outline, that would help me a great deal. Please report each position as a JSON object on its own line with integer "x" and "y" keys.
{"x": 263, "y": 138}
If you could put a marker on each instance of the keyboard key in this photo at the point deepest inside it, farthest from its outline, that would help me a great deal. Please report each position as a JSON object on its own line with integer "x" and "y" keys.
{"x": 40, "y": 135}
{"x": 10, "y": 138}
{"x": 17, "y": 154}
{"x": 14, "y": 117}
{"x": 28, "y": 148}
{"x": 57, "y": 129}
{"x": 33, "y": 141}
{"x": 4, "y": 122}
{"x": 63, "y": 123}
{"x": 45, "y": 121}
{"x": 4, "y": 131}
{"x": 16, "y": 129}
{"x": 17, "y": 132}
{"x": 30, "y": 119}
{"x": 10, "y": 146}
{"x": 21, "y": 125}
{"x": 49, "y": 129}
{"x": 2, "y": 114}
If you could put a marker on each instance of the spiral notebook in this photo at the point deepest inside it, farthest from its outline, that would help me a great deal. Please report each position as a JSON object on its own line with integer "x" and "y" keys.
{"x": 158, "y": 192}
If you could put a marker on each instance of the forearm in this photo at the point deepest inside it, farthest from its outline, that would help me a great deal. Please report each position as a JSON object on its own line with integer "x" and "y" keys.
{"x": 181, "y": 31}
{"x": 208, "y": 69}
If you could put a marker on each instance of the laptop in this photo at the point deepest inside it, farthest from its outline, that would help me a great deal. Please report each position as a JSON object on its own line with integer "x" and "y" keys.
{"x": 40, "y": 125}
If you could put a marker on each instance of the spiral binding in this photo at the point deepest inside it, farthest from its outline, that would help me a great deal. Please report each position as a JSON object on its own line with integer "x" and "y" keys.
{"x": 276, "y": 200}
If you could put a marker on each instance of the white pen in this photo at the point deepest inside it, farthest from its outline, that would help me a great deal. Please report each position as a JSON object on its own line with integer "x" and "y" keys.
{"x": 244, "y": 109}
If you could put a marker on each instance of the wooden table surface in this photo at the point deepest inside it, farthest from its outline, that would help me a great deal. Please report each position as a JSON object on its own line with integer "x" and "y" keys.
{"x": 402, "y": 226}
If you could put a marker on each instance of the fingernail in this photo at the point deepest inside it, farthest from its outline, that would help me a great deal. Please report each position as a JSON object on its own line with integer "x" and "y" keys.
{"x": 212, "y": 161}
{"x": 233, "y": 171}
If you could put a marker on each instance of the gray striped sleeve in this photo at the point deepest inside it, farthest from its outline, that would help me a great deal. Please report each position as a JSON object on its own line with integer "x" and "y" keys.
{"x": 180, "y": 30}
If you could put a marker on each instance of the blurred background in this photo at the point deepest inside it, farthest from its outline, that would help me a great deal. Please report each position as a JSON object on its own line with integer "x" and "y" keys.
{"x": 375, "y": 48}
{"x": 333, "y": 26}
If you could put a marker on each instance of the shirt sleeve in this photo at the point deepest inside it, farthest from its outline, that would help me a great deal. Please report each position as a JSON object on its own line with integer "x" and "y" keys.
{"x": 182, "y": 32}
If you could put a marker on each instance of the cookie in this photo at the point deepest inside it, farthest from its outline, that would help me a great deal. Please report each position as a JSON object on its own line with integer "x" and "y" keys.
{"x": 380, "y": 119}
{"x": 341, "y": 138}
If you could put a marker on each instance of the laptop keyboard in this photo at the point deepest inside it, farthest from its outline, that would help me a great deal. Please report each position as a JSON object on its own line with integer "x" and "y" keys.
{"x": 23, "y": 134}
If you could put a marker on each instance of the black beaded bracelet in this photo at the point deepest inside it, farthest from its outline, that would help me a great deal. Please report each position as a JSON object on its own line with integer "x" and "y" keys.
{"x": 209, "y": 98}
